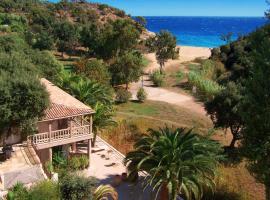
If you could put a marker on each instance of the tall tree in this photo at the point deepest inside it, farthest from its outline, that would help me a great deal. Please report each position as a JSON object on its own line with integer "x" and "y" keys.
{"x": 67, "y": 35}
{"x": 127, "y": 68}
{"x": 256, "y": 110}
{"x": 93, "y": 69}
{"x": 22, "y": 101}
{"x": 224, "y": 110}
{"x": 164, "y": 45}
{"x": 178, "y": 162}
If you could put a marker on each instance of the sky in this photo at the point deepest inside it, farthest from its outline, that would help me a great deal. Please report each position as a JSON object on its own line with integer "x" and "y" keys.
{"x": 190, "y": 7}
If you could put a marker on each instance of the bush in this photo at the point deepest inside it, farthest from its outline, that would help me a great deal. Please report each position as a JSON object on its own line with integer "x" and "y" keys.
{"x": 45, "y": 190}
{"x": 74, "y": 187}
{"x": 18, "y": 192}
{"x": 122, "y": 95}
{"x": 59, "y": 161}
{"x": 141, "y": 95}
{"x": 180, "y": 75}
{"x": 157, "y": 78}
{"x": 84, "y": 161}
{"x": 120, "y": 13}
{"x": 93, "y": 69}
{"x": 78, "y": 162}
{"x": 206, "y": 86}
{"x": 103, "y": 6}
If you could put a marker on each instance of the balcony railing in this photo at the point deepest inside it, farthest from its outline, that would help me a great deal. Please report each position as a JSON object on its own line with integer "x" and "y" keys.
{"x": 59, "y": 137}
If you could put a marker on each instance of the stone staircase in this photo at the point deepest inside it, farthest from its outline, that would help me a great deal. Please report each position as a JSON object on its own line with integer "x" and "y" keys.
{"x": 24, "y": 166}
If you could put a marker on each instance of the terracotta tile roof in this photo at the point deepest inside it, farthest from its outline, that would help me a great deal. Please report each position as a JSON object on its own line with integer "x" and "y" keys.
{"x": 63, "y": 104}
{"x": 57, "y": 111}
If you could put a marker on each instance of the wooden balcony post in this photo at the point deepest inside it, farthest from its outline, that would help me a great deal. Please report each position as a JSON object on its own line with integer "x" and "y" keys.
{"x": 91, "y": 124}
{"x": 74, "y": 147}
{"x": 70, "y": 127}
{"x": 50, "y": 132}
{"x": 89, "y": 151}
{"x": 50, "y": 155}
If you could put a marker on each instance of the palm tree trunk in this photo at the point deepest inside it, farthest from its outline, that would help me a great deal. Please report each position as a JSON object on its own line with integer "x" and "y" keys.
{"x": 95, "y": 136}
{"x": 267, "y": 192}
{"x": 164, "y": 193}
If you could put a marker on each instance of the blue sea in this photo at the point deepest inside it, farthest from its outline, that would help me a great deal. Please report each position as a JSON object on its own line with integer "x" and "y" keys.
{"x": 204, "y": 31}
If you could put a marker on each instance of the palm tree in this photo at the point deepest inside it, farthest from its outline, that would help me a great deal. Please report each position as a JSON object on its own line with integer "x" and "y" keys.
{"x": 94, "y": 94}
{"x": 91, "y": 92}
{"x": 102, "y": 118}
{"x": 104, "y": 191}
{"x": 178, "y": 162}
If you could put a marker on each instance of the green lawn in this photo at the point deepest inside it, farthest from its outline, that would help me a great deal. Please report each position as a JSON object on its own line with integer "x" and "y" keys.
{"x": 164, "y": 113}
{"x": 138, "y": 108}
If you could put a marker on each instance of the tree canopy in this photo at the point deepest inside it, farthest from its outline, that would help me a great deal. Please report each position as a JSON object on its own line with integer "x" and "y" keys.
{"x": 224, "y": 110}
{"x": 127, "y": 68}
{"x": 178, "y": 162}
{"x": 255, "y": 110}
{"x": 23, "y": 100}
{"x": 164, "y": 45}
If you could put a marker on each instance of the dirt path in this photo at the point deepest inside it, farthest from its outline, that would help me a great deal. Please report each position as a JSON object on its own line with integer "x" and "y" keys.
{"x": 160, "y": 94}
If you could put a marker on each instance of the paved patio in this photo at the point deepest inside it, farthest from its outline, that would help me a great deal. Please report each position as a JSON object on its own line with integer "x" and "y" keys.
{"x": 23, "y": 167}
{"x": 106, "y": 162}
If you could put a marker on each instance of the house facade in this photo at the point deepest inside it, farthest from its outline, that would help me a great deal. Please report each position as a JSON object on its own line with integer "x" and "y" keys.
{"x": 66, "y": 122}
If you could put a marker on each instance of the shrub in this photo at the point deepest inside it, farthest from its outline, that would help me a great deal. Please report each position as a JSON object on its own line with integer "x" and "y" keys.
{"x": 120, "y": 13}
{"x": 103, "y": 6}
{"x": 59, "y": 161}
{"x": 84, "y": 161}
{"x": 73, "y": 187}
{"x": 122, "y": 95}
{"x": 206, "y": 86}
{"x": 78, "y": 162}
{"x": 18, "y": 192}
{"x": 74, "y": 163}
{"x": 157, "y": 78}
{"x": 45, "y": 190}
{"x": 141, "y": 95}
{"x": 179, "y": 75}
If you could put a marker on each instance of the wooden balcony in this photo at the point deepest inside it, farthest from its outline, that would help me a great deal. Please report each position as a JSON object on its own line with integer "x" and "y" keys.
{"x": 60, "y": 137}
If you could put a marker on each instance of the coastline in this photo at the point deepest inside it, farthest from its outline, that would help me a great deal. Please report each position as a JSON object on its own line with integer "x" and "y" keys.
{"x": 186, "y": 54}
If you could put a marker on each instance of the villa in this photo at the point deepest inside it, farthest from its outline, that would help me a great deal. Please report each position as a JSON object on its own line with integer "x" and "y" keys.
{"x": 66, "y": 122}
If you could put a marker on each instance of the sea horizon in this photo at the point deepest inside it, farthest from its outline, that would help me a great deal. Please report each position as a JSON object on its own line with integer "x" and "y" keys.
{"x": 204, "y": 31}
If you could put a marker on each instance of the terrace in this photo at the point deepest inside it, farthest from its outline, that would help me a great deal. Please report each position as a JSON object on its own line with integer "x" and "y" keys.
{"x": 106, "y": 164}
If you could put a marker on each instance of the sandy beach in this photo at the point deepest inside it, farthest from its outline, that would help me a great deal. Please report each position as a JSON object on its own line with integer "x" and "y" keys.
{"x": 186, "y": 54}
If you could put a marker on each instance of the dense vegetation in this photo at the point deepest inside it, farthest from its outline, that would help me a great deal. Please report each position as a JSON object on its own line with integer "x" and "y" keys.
{"x": 104, "y": 37}
{"x": 243, "y": 103}
{"x": 70, "y": 187}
